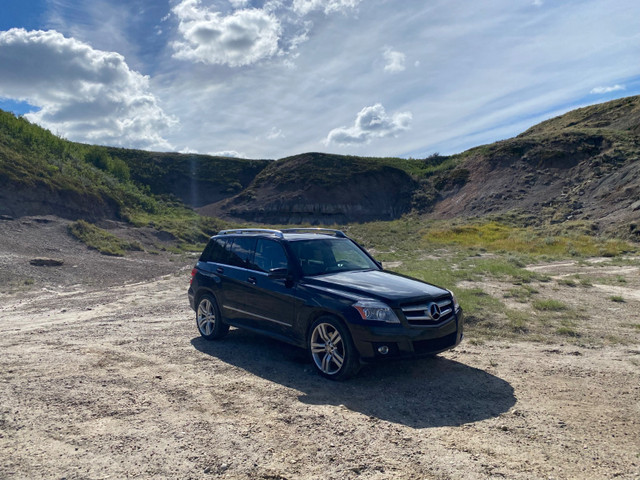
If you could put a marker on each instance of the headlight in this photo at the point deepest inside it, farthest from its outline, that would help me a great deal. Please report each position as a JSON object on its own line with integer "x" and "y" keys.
{"x": 456, "y": 305}
{"x": 376, "y": 311}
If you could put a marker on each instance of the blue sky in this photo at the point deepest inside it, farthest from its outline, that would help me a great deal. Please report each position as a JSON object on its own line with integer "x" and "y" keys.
{"x": 273, "y": 78}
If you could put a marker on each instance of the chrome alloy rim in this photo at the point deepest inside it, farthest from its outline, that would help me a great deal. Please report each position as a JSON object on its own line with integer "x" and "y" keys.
{"x": 327, "y": 348}
{"x": 206, "y": 317}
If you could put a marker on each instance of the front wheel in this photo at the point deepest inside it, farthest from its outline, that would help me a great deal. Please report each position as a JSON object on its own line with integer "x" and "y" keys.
{"x": 332, "y": 351}
{"x": 209, "y": 320}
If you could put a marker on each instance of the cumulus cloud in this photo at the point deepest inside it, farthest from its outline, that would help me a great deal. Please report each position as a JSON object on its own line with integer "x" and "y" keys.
{"x": 241, "y": 38}
{"x": 601, "y": 90}
{"x": 371, "y": 122}
{"x": 395, "y": 60}
{"x": 304, "y": 7}
{"x": 84, "y": 94}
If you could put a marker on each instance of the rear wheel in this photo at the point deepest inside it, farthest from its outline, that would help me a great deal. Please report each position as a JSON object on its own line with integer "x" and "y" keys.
{"x": 332, "y": 350}
{"x": 209, "y": 320}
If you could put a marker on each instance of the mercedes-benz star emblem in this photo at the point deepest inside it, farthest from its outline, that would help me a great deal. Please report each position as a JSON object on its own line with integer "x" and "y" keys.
{"x": 434, "y": 311}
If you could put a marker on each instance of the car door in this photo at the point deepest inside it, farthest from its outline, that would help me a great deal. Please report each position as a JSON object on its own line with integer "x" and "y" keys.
{"x": 272, "y": 299}
{"x": 237, "y": 288}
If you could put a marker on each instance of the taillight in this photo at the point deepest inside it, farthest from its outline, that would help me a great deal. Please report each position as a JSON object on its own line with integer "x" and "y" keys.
{"x": 193, "y": 274}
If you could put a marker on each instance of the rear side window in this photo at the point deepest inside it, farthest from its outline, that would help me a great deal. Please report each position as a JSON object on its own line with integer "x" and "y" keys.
{"x": 217, "y": 251}
{"x": 269, "y": 255}
{"x": 241, "y": 252}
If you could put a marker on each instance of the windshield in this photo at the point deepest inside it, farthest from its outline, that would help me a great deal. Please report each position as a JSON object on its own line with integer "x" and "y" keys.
{"x": 317, "y": 257}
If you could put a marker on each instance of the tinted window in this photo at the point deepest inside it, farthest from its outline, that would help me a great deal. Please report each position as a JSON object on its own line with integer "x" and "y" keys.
{"x": 269, "y": 255}
{"x": 241, "y": 252}
{"x": 317, "y": 257}
{"x": 216, "y": 251}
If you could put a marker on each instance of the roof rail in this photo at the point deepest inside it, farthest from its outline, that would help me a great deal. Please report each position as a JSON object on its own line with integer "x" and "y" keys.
{"x": 277, "y": 233}
{"x": 325, "y": 231}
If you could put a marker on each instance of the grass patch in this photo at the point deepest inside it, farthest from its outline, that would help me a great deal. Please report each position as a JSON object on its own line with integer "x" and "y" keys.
{"x": 617, "y": 299}
{"x": 567, "y": 332}
{"x": 101, "y": 240}
{"x": 549, "y": 305}
{"x": 519, "y": 322}
{"x": 521, "y": 294}
{"x": 501, "y": 237}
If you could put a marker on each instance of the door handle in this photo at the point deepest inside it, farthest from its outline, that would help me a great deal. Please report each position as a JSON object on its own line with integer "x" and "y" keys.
{"x": 220, "y": 270}
{"x": 252, "y": 280}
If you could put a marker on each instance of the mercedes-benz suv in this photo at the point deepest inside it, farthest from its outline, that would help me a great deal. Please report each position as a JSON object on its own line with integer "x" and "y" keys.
{"x": 319, "y": 290}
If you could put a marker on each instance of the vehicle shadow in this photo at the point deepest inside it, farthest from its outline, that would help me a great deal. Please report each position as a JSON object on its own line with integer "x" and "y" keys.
{"x": 420, "y": 393}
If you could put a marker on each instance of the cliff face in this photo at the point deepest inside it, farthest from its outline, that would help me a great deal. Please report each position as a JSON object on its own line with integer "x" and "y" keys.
{"x": 18, "y": 200}
{"x": 584, "y": 165}
{"x": 321, "y": 189}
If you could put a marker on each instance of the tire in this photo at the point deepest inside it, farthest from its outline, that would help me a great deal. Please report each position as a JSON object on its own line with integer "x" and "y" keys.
{"x": 208, "y": 318}
{"x": 331, "y": 349}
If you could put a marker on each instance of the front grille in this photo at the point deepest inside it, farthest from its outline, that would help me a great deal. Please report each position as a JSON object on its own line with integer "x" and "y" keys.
{"x": 424, "y": 313}
{"x": 436, "y": 344}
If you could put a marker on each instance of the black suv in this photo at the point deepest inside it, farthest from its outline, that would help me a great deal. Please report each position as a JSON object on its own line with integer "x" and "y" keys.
{"x": 320, "y": 290}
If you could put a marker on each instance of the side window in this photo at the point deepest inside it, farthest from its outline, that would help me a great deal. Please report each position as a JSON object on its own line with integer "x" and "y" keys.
{"x": 216, "y": 251}
{"x": 241, "y": 252}
{"x": 206, "y": 253}
{"x": 269, "y": 255}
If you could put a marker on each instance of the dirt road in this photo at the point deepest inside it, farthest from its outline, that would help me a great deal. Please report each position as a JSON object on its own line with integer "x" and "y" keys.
{"x": 116, "y": 383}
{"x": 103, "y": 375}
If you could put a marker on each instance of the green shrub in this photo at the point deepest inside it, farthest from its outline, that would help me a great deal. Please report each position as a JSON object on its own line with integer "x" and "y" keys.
{"x": 101, "y": 240}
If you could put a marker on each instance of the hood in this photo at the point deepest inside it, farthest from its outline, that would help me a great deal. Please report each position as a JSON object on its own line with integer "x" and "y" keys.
{"x": 386, "y": 286}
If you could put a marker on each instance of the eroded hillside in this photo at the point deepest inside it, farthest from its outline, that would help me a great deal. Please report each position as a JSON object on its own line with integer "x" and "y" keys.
{"x": 321, "y": 188}
{"x": 583, "y": 165}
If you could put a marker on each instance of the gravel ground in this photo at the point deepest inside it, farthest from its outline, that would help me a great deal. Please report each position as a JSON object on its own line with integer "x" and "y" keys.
{"x": 103, "y": 375}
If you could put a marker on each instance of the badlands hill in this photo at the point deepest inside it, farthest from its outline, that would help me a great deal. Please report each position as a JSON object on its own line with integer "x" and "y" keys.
{"x": 583, "y": 165}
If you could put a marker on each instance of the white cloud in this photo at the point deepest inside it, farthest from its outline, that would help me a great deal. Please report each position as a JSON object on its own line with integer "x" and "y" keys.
{"x": 372, "y": 122}
{"x": 188, "y": 150}
{"x": 601, "y": 90}
{"x": 395, "y": 60}
{"x": 84, "y": 94}
{"x": 242, "y": 38}
{"x": 228, "y": 153}
{"x": 275, "y": 133}
{"x": 303, "y": 7}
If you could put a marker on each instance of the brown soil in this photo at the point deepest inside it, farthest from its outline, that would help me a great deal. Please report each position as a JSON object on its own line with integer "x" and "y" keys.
{"x": 103, "y": 375}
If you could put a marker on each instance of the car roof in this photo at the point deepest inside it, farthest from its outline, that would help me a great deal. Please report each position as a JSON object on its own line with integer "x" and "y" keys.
{"x": 289, "y": 234}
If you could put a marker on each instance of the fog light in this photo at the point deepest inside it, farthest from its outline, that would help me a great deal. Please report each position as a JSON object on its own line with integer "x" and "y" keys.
{"x": 383, "y": 349}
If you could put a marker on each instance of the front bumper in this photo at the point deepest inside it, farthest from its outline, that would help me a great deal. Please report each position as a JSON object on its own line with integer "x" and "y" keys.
{"x": 406, "y": 341}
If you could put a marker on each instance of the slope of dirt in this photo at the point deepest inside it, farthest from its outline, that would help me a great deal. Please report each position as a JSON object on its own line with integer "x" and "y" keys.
{"x": 574, "y": 176}
{"x": 583, "y": 165}
{"x": 28, "y": 238}
{"x": 319, "y": 188}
